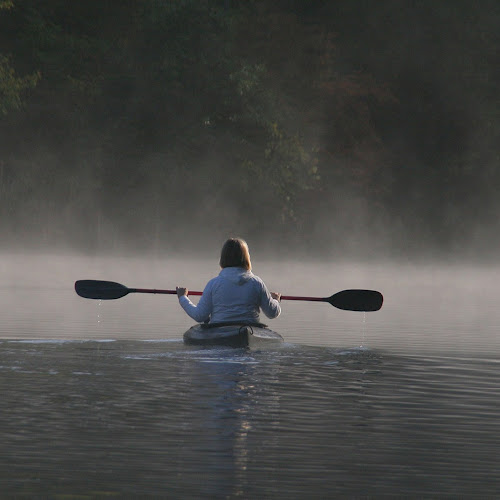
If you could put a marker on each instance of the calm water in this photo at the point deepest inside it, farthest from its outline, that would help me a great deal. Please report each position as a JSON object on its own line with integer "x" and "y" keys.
{"x": 103, "y": 399}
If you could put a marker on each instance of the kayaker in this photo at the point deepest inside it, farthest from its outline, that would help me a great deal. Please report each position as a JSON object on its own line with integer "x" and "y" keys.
{"x": 236, "y": 294}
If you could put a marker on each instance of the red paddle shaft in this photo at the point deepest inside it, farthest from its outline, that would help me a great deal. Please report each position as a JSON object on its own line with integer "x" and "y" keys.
{"x": 310, "y": 299}
{"x": 165, "y": 292}
{"x": 173, "y": 292}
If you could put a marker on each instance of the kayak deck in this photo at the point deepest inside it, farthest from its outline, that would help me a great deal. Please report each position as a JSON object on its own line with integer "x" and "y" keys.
{"x": 233, "y": 335}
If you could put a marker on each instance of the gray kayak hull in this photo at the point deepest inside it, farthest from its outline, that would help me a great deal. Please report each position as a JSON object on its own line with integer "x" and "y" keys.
{"x": 235, "y": 335}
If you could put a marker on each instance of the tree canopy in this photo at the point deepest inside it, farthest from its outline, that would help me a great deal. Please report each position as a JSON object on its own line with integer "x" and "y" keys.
{"x": 143, "y": 123}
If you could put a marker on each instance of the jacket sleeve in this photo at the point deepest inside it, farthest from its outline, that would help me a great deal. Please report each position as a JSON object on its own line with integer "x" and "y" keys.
{"x": 202, "y": 311}
{"x": 270, "y": 307}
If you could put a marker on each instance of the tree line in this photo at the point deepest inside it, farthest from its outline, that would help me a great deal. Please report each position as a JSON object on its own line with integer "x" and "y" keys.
{"x": 314, "y": 123}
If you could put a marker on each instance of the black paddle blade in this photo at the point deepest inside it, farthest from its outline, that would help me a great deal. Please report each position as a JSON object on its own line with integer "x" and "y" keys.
{"x": 103, "y": 290}
{"x": 357, "y": 300}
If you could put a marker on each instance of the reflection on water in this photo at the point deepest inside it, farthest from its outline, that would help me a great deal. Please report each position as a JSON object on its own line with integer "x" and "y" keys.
{"x": 158, "y": 418}
{"x": 102, "y": 400}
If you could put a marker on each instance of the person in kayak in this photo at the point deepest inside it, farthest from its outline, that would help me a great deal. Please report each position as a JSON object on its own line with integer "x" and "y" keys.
{"x": 236, "y": 295}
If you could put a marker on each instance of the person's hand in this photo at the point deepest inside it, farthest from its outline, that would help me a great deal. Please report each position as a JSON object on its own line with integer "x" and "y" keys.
{"x": 276, "y": 296}
{"x": 181, "y": 291}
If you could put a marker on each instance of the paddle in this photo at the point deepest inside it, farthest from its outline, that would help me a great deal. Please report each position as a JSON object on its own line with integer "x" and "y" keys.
{"x": 348, "y": 300}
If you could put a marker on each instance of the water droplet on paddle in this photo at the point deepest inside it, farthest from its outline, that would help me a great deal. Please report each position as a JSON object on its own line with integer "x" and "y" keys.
{"x": 99, "y": 311}
{"x": 363, "y": 330}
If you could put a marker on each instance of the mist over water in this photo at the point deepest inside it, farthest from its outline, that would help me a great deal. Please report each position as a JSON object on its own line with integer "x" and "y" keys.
{"x": 443, "y": 308}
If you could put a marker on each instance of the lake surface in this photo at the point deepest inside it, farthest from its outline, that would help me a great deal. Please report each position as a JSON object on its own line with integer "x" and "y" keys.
{"x": 102, "y": 399}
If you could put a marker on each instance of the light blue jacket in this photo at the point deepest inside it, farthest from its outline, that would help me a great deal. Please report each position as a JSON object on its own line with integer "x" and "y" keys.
{"x": 235, "y": 295}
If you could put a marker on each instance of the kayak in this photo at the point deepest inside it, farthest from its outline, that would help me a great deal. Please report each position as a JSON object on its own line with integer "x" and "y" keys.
{"x": 233, "y": 335}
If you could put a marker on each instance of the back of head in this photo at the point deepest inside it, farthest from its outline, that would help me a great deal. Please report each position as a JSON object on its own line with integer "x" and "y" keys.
{"x": 235, "y": 254}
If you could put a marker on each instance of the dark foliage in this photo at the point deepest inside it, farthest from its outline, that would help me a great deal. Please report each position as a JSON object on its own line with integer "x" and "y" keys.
{"x": 159, "y": 123}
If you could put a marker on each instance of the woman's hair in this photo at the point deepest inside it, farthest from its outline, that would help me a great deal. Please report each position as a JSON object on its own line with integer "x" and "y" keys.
{"x": 235, "y": 254}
